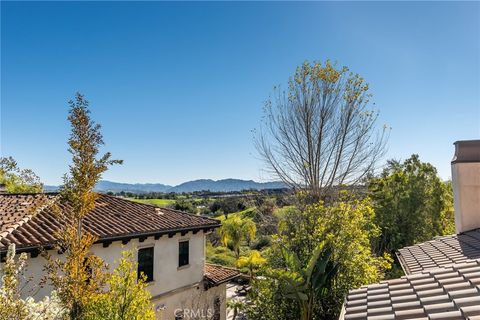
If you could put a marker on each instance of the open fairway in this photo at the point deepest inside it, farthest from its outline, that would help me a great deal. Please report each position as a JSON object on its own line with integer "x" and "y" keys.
{"x": 155, "y": 202}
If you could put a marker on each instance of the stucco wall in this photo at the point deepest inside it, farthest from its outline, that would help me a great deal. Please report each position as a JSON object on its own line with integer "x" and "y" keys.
{"x": 466, "y": 191}
{"x": 167, "y": 276}
{"x": 194, "y": 303}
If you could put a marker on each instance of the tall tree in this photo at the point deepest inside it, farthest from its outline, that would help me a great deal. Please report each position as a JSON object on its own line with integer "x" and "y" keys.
{"x": 412, "y": 204}
{"x": 18, "y": 180}
{"x": 320, "y": 132}
{"x": 80, "y": 275}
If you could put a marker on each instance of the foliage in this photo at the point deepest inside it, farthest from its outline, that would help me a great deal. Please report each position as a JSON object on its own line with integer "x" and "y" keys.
{"x": 236, "y": 305}
{"x": 305, "y": 284}
{"x": 80, "y": 275}
{"x": 348, "y": 226}
{"x": 321, "y": 132}
{"x": 268, "y": 302}
{"x": 234, "y": 230}
{"x": 185, "y": 205}
{"x": 18, "y": 180}
{"x": 12, "y": 306}
{"x": 252, "y": 262}
{"x": 228, "y": 205}
{"x": 261, "y": 242}
{"x": 220, "y": 255}
{"x": 127, "y": 298}
{"x": 412, "y": 204}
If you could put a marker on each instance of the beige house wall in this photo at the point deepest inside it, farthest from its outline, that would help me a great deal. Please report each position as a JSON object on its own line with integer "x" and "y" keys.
{"x": 172, "y": 287}
{"x": 194, "y": 302}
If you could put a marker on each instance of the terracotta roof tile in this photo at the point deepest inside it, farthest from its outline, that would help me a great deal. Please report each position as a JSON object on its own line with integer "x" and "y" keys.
{"x": 216, "y": 274}
{"x": 31, "y": 220}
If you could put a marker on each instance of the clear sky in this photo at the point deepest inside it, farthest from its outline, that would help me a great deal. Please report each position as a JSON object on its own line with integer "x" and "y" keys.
{"x": 178, "y": 87}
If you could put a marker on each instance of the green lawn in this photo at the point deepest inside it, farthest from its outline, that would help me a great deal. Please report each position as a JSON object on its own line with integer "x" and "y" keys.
{"x": 155, "y": 202}
{"x": 240, "y": 214}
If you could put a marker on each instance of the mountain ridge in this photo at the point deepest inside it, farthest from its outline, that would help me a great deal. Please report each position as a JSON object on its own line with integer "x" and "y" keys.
{"x": 222, "y": 185}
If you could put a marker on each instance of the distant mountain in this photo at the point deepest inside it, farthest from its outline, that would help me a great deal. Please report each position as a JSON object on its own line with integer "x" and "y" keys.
{"x": 225, "y": 185}
{"x": 105, "y": 186}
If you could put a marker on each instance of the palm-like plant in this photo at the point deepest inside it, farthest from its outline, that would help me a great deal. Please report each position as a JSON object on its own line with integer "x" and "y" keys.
{"x": 253, "y": 261}
{"x": 304, "y": 284}
{"x": 234, "y": 230}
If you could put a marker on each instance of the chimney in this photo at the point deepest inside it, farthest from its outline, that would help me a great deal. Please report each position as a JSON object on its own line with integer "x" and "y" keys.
{"x": 3, "y": 188}
{"x": 466, "y": 185}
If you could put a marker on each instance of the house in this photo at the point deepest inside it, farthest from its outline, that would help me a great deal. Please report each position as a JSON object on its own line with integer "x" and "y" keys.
{"x": 170, "y": 244}
{"x": 442, "y": 278}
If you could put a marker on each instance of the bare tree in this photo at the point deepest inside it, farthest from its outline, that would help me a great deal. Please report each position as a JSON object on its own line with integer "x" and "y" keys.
{"x": 320, "y": 132}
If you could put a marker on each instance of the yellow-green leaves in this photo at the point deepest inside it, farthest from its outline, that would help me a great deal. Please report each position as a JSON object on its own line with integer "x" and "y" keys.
{"x": 126, "y": 298}
{"x": 234, "y": 230}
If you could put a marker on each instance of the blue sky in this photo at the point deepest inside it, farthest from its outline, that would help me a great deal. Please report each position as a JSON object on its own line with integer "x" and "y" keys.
{"x": 178, "y": 87}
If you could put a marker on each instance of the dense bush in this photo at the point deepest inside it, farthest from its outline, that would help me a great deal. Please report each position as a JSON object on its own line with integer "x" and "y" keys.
{"x": 261, "y": 242}
{"x": 349, "y": 227}
{"x": 228, "y": 205}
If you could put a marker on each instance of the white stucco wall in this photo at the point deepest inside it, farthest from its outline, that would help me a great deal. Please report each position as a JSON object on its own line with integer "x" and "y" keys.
{"x": 167, "y": 276}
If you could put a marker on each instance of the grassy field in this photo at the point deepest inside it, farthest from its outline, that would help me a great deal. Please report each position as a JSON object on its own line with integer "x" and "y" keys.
{"x": 240, "y": 214}
{"x": 155, "y": 202}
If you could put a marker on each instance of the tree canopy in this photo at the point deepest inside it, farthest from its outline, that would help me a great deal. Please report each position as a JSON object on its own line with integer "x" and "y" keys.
{"x": 18, "y": 180}
{"x": 412, "y": 204}
{"x": 321, "y": 131}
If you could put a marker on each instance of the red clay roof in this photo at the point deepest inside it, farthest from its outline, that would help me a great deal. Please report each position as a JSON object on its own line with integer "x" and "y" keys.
{"x": 30, "y": 221}
{"x": 217, "y": 274}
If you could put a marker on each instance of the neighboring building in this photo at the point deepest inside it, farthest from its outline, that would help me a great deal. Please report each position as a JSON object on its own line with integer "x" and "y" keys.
{"x": 442, "y": 275}
{"x": 170, "y": 243}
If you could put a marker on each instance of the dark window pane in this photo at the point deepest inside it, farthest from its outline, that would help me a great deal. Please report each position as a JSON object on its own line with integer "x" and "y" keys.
{"x": 216, "y": 307}
{"x": 145, "y": 263}
{"x": 183, "y": 253}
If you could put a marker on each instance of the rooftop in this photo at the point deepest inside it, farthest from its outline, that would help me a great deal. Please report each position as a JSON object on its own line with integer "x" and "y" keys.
{"x": 440, "y": 252}
{"x": 442, "y": 293}
{"x": 216, "y": 274}
{"x": 31, "y": 221}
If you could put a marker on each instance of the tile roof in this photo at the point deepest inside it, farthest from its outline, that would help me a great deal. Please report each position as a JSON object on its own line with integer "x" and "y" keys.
{"x": 31, "y": 221}
{"x": 442, "y": 251}
{"x": 216, "y": 274}
{"x": 442, "y": 293}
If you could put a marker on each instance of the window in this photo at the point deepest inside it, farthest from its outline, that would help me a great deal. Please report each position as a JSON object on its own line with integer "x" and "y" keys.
{"x": 216, "y": 307}
{"x": 145, "y": 263}
{"x": 183, "y": 253}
